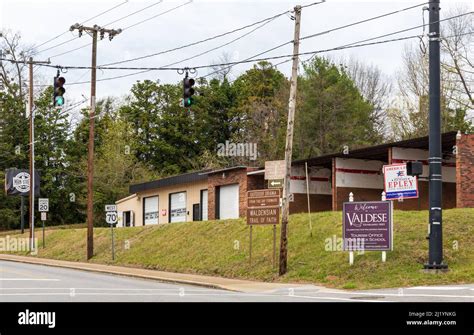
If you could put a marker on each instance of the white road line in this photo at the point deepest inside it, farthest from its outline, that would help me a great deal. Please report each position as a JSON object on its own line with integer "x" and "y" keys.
{"x": 340, "y": 299}
{"x": 28, "y": 279}
{"x": 440, "y": 288}
{"x": 402, "y": 295}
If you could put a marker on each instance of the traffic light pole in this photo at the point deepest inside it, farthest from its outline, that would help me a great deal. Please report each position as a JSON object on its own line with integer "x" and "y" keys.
{"x": 94, "y": 31}
{"x": 32, "y": 151}
{"x": 435, "y": 261}
{"x": 289, "y": 146}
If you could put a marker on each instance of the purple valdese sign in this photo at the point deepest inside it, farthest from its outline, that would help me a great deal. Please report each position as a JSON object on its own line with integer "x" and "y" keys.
{"x": 367, "y": 225}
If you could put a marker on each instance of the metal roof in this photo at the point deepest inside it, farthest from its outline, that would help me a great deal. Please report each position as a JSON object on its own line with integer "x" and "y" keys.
{"x": 380, "y": 152}
{"x": 168, "y": 181}
{"x": 225, "y": 169}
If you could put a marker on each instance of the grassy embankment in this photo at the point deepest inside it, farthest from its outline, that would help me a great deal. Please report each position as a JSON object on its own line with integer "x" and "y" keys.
{"x": 221, "y": 248}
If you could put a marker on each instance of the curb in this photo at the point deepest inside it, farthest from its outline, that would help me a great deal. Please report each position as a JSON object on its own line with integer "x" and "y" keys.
{"x": 103, "y": 268}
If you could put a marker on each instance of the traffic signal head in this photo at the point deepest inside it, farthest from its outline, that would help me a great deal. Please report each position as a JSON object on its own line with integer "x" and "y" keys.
{"x": 188, "y": 91}
{"x": 414, "y": 168}
{"x": 58, "y": 99}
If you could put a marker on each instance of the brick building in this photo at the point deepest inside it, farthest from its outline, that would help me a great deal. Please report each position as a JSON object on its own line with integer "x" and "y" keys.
{"x": 222, "y": 193}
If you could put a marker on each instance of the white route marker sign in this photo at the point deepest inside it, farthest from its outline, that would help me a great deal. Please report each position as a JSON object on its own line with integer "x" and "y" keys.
{"x": 111, "y": 216}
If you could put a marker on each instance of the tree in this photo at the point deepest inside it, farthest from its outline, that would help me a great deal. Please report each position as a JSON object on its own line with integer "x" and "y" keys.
{"x": 262, "y": 109}
{"x": 375, "y": 88}
{"x": 165, "y": 133}
{"x": 331, "y": 112}
{"x": 456, "y": 82}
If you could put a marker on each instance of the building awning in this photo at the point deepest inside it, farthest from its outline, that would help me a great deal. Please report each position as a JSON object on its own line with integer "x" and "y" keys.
{"x": 169, "y": 181}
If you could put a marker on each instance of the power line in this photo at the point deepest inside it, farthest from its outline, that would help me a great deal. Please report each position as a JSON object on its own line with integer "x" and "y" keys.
{"x": 258, "y": 22}
{"x": 133, "y": 25}
{"x": 352, "y": 24}
{"x": 222, "y": 45}
{"x": 359, "y": 43}
{"x": 200, "y": 41}
{"x": 122, "y": 18}
{"x": 158, "y": 15}
{"x": 136, "y": 12}
{"x": 89, "y": 19}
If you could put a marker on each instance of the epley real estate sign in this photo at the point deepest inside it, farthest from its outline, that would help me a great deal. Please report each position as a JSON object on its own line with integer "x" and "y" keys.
{"x": 367, "y": 225}
{"x": 397, "y": 184}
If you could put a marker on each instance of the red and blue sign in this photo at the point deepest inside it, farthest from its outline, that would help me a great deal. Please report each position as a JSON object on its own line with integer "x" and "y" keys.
{"x": 397, "y": 184}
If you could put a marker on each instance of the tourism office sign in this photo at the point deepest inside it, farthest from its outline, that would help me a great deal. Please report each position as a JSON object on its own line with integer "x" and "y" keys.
{"x": 368, "y": 226}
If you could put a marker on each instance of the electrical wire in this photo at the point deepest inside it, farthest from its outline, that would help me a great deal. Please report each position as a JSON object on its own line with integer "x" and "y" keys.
{"x": 251, "y": 59}
{"x": 117, "y": 20}
{"x": 157, "y": 15}
{"x": 200, "y": 41}
{"x": 133, "y": 25}
{"x": 96, "y": 16}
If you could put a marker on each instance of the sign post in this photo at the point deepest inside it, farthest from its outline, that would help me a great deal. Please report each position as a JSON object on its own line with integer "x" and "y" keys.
{"x": 263, "y": 208}
{"x": 111, "y": 218}
{"x": 43, "y": 208}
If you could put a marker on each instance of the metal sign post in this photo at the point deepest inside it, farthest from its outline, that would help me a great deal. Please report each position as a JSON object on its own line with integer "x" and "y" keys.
{"x": 250, "y": 245}
{"x": 43, "y": 208}
{"x": 43, "y": 219}
{"x": 274, "y": 244}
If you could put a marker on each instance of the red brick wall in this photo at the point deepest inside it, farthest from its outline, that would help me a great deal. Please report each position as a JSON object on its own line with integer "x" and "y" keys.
{"x": 238, "y": 176}
{"x": 448, "y": 197}
{"x": 465, "y": 171}
{"x": 318, "y": 203}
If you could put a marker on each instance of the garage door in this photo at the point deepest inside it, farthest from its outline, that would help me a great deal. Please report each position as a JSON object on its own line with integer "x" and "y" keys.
{"x": 204, "y": 205}
{"x": 150, "y": 210}
{"x": 178, "y": 207}
{"x": 229, "y": 201}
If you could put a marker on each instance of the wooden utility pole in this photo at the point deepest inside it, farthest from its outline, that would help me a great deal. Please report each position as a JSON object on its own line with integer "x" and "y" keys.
{"x": 32, "y": 151}
{"x": 289, "y": 146}
{"x": 94, "y": 32}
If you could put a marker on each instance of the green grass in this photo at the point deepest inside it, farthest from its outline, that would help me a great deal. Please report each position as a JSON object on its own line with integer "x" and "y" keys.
{"x": 221, "y": 248}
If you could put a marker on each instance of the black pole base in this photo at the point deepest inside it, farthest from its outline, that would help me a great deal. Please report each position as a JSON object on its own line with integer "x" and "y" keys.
{"x": 443, "y": 267}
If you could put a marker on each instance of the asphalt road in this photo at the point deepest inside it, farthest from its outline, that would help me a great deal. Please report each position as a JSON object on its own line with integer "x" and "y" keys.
{"x": 21, "y": 282}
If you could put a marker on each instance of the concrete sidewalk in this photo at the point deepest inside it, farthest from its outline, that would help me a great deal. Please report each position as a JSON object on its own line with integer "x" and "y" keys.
{"x": 237, "y": 285}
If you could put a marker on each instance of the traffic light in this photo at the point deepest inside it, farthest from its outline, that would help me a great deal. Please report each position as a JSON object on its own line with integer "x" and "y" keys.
{"x": 58, "y": 99}
{"x": 188, "y": 91}
{"x": 414, "y": 168}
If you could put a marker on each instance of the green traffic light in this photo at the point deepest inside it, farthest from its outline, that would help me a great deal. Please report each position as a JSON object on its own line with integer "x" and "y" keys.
{"x": 188, "y": 102}
{"x": 59, "y": 101}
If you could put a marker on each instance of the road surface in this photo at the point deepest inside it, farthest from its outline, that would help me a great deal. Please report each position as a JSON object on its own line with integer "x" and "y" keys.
{"x": 20, "y": 282}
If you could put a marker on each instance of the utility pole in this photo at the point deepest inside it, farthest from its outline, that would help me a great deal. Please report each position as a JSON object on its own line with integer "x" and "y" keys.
{"x": 289, "y": 146}
{"x": 94, "y": 32}
{"x": 435, "y": 159}
{"x": 32, "y": 151}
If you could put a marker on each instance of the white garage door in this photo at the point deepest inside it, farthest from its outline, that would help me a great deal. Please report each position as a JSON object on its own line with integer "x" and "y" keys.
{"x": 151, "y": 210}
{"x": 204, "y": 205}
{"x": 178, "y": 207}
{"x": 229, "y": 202}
